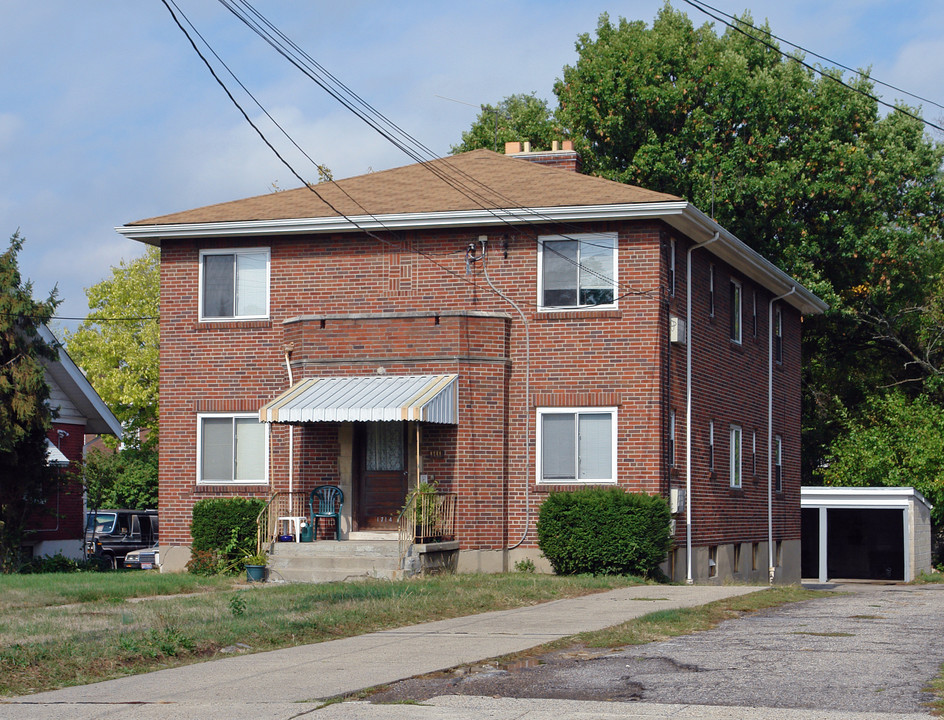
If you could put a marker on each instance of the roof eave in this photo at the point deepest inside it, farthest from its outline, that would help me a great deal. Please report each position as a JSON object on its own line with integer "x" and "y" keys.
{"x": 99, "y": 418}
{"x": 680, "y": 214}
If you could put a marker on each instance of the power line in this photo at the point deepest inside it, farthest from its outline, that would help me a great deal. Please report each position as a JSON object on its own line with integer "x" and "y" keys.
{"x": 259, "y": 132}
{"x": 403, "y": 140}
{"x": 737, "y": 26}
{"x": 696, "y": 3}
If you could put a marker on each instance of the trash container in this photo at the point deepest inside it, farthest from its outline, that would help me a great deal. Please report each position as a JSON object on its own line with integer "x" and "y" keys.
{"x": 306, "y": 533}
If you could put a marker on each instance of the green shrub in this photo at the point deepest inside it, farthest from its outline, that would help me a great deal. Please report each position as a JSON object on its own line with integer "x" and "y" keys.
{"x": 57, "y": 563}
{"x": 226, "y": 527}
{"x": 604, "y": 531}
{"x": 203, "y": 562}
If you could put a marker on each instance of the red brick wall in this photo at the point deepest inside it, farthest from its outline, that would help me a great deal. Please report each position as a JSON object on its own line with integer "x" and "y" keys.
{"x": 63, "y": 517}
{"x": 730, "y": 387}
{"x": 615, "y": 357}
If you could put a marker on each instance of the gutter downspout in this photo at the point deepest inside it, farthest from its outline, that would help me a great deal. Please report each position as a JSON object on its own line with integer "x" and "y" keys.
{"x": 771, "y": 569}
{"x": 291, "y": 431}
{"x": 688, "y": 408}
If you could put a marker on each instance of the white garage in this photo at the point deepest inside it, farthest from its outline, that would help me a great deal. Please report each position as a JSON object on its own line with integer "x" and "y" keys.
{"x": 869, "y": 533}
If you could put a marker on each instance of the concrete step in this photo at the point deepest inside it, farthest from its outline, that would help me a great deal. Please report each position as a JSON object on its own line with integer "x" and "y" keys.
{"x": 334, "y": 548}
{"x": 332, "y": 561}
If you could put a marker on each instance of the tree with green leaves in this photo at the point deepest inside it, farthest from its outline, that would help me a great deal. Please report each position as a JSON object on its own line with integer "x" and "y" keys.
{"x": 121, "y": 479}
{"x": 117, "y": 344}
{"x": 895, "y": 442}
{"x": 117, "y": 347}
{"x": 516, "y": 118}
{"x": 802, "y": 168}
{"x": 25, "y": 416}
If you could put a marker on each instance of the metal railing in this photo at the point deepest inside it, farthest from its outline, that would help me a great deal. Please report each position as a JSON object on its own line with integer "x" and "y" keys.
{"x": 280, "y": 504}
{"x": 427, "y": 517}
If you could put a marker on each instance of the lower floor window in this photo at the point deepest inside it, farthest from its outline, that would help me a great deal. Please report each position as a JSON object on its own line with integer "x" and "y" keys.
{"x": 576, "y": 445}
{"x": 231, "y": 448}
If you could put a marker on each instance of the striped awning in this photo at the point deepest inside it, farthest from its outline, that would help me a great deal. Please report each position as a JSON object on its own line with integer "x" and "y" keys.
{"x": 424, "y": 398}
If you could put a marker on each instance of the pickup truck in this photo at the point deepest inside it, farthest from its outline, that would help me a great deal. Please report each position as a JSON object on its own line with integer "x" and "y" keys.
{"x": 112, "y": 534}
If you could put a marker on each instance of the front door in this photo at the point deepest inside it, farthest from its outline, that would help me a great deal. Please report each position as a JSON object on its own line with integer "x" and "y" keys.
{"x": 381, "y": 474}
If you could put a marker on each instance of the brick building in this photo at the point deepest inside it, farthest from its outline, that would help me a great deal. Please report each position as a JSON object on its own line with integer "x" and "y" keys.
{"x": 551, "y": 332}
{"x": 79, "y": 411}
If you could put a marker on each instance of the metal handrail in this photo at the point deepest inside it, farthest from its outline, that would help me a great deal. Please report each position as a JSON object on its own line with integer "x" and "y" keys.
{"x": 426, "y": 517}
{"x": 280, "y": 504}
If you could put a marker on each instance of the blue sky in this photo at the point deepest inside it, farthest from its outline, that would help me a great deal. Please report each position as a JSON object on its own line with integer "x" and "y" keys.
{"x": 107, "y": 115}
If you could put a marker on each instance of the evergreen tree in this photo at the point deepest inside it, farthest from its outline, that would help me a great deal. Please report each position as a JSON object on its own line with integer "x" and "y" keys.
{"x": 25, "y": 415}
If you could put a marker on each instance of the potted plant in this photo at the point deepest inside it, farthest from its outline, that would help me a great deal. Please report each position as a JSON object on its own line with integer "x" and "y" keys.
{"x": 256, "y": 567}
{"x": 425, "y": 522}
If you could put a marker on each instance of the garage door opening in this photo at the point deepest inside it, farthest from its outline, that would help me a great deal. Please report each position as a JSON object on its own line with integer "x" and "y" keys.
{"x": 866, "y": 544}
{"x": 864, "y": 533}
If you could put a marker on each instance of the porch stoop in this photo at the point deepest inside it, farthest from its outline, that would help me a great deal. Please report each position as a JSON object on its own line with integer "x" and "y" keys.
{"x": 333, "y": 561}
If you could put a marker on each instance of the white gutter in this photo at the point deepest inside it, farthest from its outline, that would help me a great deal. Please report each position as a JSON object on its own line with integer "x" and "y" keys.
{"x": 681, "y": 215}
{"x": 771, "y": 568}
{"x": 688, "y": 408}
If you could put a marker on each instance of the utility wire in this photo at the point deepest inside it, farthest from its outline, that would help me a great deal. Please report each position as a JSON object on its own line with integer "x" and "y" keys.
{"x": 697, "y": 3}
{"x": 739, "y": 26}
{"x": 416, "y": 153}
{"x": 167, "y": 4}
{"x": 467, "y": 185}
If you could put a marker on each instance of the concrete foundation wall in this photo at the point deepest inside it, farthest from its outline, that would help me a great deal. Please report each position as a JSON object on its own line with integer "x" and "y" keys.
{"x": 919, "y": 532}
{"x": 737, "y": 562}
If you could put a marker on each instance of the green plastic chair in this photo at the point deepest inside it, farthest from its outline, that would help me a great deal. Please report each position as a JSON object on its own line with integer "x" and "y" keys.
{"x": 326, "y": 501}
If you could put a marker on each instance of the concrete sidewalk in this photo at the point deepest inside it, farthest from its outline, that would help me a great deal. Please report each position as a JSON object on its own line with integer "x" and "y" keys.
{"x": 288, "y": 684}
{"x": 283, "y": 683}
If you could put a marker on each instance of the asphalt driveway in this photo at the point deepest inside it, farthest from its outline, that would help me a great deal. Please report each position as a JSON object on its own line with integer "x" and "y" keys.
{"x": 867, "y": 648}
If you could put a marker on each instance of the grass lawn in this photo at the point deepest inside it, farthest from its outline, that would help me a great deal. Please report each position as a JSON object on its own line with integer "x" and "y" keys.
{"x": 58, "y": 630}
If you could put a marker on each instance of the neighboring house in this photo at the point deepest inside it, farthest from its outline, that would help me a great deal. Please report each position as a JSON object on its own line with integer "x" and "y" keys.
{"x": 80, "y": 411}
{"x": 500, "y": 324}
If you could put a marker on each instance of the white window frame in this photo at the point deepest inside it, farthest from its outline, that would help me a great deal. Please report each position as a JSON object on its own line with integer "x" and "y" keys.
{"x": 778, "y": 336}
{"x": 236, "y": 252}
{"x": 778, "y": 463}
{"x": 598, "y": 238}
{"x": 234, "y": 416}
{"x": 539, "y": 455}
{"x": 754, "y": 453}
{"x": 737, "y": 315}
{"x": 736, "y": 452}
{"x": 672, "y": 267}
{"x": 711, "y": 290}
{"x": 754, "y": 315}
{"x": 711, "y": 445}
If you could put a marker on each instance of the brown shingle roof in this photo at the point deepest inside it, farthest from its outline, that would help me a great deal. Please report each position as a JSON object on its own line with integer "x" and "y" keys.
{"x": 473, "y": 180}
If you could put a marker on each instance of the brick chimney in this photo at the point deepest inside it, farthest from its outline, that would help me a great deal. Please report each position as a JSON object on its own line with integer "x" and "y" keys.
{"x": 561, "y": 155}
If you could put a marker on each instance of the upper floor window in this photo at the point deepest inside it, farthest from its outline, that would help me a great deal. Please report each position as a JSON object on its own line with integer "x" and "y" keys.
{"x": 778, "y": 335}
{"x": 672, "y": 267}
{"x": 231, "y": 449}
{"x": 711, "y": 445}
{"x": 234, "y": 283}
{"x": 736, "y": 311}
{"x": 577, "y": 270}
{"x": 711, "y": 290}
{"x": 754, "y": 315}
{"x": 576, "y": 445}
{"x": 735, "y": 450}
